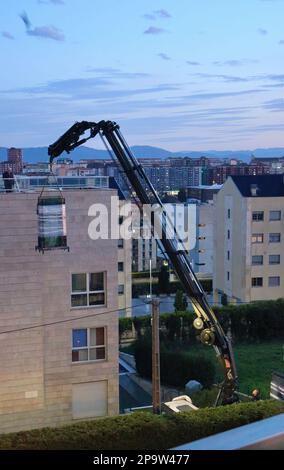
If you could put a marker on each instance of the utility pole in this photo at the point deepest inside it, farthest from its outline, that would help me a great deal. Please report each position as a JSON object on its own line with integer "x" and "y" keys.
{"x": 156, "y": 383}
{"x": 150, "y": 278}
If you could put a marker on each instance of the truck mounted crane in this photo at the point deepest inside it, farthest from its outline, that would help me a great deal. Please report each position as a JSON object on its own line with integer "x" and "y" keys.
{"x": 206, "y": 322}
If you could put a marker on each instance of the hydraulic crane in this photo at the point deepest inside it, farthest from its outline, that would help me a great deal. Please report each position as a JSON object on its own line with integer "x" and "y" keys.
{"x": 206, "y": 322}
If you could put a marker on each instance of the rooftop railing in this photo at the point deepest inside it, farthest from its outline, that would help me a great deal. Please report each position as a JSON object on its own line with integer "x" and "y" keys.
{"x": 35, "y": 183}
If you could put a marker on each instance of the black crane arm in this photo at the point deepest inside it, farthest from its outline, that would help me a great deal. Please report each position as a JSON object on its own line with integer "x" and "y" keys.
{"x": 211, "y": 332}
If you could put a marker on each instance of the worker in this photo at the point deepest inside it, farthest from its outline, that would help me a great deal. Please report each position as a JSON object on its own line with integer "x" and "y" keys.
{"x": 9, "y": 181}
{"x": 256, "y": 395}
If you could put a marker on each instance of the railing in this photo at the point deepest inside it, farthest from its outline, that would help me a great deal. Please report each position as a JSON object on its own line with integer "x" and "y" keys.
{"x": 36, "y": 183}
{"x": 267, "y": 434}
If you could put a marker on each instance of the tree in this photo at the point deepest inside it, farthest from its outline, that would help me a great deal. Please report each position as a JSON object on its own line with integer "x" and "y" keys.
{"x": 182, "y": 195}
{"x": 180, "y": 303}
{"x": 164, "y": 280}
{"x": 224, "y": 299}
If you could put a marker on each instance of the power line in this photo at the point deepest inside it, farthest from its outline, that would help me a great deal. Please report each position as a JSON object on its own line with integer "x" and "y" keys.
{"x": 70, "y": 319}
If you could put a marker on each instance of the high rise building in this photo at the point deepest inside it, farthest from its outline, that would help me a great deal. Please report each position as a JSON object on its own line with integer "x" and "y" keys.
{"x": 15, "y": 159}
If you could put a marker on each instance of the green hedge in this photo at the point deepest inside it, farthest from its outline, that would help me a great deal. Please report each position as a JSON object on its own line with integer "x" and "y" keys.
{"x": 177, "y": 368}
{"x": 143, "y": 287}
{"x": 258, "y": 321}
{"x": 142, "y": 431}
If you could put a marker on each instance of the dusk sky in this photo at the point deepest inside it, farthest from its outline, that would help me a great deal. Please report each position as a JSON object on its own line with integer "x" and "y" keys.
{"x": 179, "y": 74}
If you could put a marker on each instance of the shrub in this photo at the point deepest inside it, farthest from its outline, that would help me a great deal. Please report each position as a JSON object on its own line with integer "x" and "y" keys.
{"x": 141, "y": 431}
{"x": 125, "y": 324}
{"x": 255, "y": 322}
{"x": 177, "y": 368}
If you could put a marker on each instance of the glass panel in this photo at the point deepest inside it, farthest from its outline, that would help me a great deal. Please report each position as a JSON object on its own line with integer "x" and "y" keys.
{"x": 79, "y": 300}
{"x": 274, "y": 237}
{"x": 96, "y": 281}
{"x": 97, "y": 354}
{"x": 97, "y": 336}
{"x": 257, "y": 216}
{"x": 97, "y": 299}
{"x": 275, "y": 215}
{"x": 79, "y": 283}
{"x": 80, "y": 355}
{"x": 79, "y": 338}
{"x": 51, "y": 222}
{"x": 274, "y": 281}
{"x": 274, "y": 259}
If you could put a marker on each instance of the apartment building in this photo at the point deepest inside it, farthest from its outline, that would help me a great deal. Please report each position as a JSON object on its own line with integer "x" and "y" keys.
{"x": 201, "y": 256}
{"x": 248, "y": 238}
{"x": 59, "y": 355}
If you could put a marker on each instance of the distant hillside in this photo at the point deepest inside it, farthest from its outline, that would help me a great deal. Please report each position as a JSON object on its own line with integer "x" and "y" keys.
{"x": 39, "y": 154}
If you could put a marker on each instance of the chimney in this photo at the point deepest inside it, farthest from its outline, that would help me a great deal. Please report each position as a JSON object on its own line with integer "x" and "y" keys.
{"x": 254, "y": 190}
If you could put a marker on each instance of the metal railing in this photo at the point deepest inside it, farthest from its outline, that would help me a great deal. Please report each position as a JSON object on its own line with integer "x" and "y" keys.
{"x": 35, "y": 183}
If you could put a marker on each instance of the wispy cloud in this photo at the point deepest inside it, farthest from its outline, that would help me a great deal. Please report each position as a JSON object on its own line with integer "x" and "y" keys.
{"x": 164, "y": 56}
{"x": 192, "y": 62}
{"x": 97, "y": 88}
{"x": 225, "y": 78}
{"x": 54, "y": 2}
{"x": 235, "y": 62}
{"x": 7, "y": 35}
{"x": 112, "y": 73}
{"x": 262, "y": 31}
{"x": 156, "y": 14}
{"x": 281, "y": 42}
{"x": 276, "y": 105}
{"x": 47, "y": 32}
{"x": 149, "y": 16}
{"x": 162, "y": 13}
{"x": 154, "y": 30}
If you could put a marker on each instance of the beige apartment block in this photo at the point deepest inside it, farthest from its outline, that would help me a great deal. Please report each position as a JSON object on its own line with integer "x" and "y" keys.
{"x": 125, "y": 277}
{"x": 59, "y": 355}
{"x": 249, "y": 238}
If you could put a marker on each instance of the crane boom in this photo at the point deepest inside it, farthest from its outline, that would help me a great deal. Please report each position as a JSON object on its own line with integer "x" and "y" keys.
{"x": 211, "y": 332}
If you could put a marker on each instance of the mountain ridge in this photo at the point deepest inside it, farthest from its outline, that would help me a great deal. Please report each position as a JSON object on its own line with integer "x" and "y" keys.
{"x": 39, "y": 154}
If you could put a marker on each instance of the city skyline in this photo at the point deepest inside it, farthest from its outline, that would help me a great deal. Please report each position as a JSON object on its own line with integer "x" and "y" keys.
{"x": 178, "y": 75}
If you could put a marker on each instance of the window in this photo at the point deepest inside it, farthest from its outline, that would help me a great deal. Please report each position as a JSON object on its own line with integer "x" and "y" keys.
{"x": 273, "y": 281}
{"x": 228, "y": 255}
{"x": 229, "y": 213}
{"x": 257, "y": 238}
{"x": 120, "y": 289}
{"x": 258, "y": 216}
{"x": 120, "y": 219}
{"x": 88, "y": 290}
{"x": 88, "y": 344}
{"x": 274, "y": 259}
{"x": 228, "y": 275}
{"x": 274, "y": 215}
{"x": 228, "y": 234}
{"x": 257, "y": 282}
{"x": 120, "y": 266}
{"x": 274, "y": 238}
{"x": 51, "y": 223}
{"x": 120, "y": 243}
{"x": 257, "y": 260}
